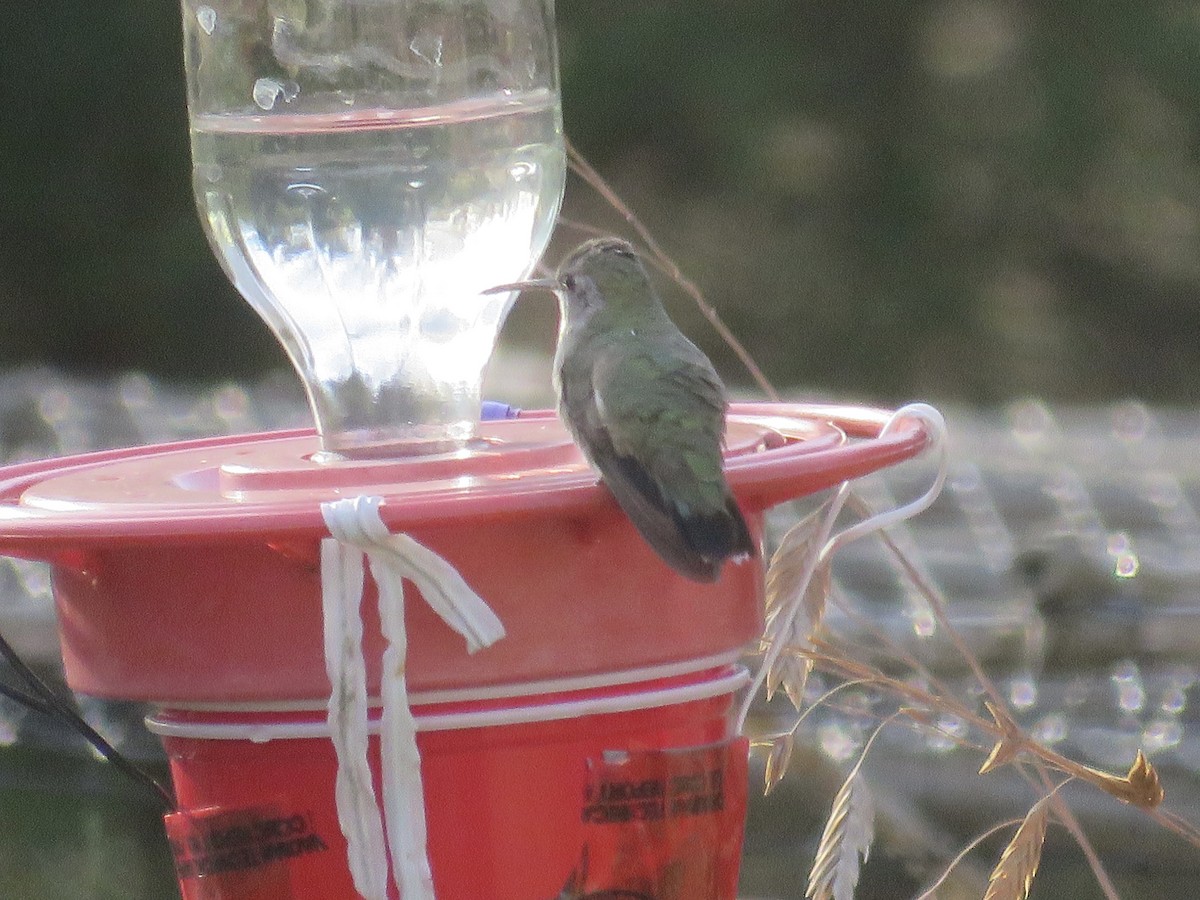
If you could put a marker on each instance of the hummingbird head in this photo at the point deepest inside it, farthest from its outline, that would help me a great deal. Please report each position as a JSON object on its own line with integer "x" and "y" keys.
{"x": 603, "y": 273}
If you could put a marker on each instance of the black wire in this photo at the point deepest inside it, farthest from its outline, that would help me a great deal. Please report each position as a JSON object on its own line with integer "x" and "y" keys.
{"x": 27, "y": 700}
{"x": 45, "y": 699}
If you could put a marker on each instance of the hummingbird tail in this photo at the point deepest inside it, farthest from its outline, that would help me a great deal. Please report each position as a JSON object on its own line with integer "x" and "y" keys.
{"x": 695, "y": 543}
{"x": 716, "y": 537}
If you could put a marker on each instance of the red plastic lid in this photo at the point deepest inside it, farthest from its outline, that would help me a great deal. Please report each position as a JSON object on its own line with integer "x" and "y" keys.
{"x": 269, "y": 483}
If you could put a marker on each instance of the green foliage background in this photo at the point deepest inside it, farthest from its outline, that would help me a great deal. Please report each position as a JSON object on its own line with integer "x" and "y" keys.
{"x": 967, "y": 199}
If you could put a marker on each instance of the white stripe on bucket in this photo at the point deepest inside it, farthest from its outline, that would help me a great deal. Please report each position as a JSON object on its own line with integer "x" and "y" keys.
{"x": 487, "y": 691}
{"x": 261, "y": 732}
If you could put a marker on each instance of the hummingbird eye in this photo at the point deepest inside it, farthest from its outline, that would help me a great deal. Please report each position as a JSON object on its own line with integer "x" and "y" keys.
{"x": 569, "y": 282}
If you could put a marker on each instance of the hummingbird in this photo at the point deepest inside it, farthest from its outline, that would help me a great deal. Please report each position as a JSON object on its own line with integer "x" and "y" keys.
{"x": 646, "y": 408}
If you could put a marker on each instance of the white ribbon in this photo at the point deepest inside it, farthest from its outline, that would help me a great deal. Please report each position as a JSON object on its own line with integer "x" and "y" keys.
{"x": 783, "y": 624}
{"x": 356, "y": 524}
{"x": 341, "y": 593}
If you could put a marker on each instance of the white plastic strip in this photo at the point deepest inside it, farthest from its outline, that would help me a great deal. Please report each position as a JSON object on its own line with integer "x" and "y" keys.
{"x": 439, "y": 582}
{"x": 261, "y": 732}
{"x": 783, "y": 623}
{"x": 394, "y": 557}
{"x": 936, "y": 426}
{"x": 358, "y": 815}
{"x": 552, "y": 712}
{"x": 403, "y": 794}
{"x": 576, "y": 683}
{"x": 503, "y": 691}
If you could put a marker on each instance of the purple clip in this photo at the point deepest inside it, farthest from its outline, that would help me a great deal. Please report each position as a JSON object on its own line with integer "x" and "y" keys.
{"x": 493, "y": 409}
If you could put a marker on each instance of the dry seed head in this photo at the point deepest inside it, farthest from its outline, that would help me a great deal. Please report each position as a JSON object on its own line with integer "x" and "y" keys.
{"x": 1013, "y": 876}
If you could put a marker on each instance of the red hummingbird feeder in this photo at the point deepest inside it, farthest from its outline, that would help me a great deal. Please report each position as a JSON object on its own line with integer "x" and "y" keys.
{"x": 187, "y": 575}
{"x": 362, "y": 190}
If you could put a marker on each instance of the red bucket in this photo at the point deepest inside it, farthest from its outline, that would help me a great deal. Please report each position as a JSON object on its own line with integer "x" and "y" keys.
{"x": 636, "y": 788}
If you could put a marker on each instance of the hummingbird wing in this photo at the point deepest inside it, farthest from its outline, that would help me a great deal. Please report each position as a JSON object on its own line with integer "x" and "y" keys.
{"x": 658, "y": 424}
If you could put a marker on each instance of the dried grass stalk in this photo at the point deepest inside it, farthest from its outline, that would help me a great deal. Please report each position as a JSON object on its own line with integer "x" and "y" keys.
{"x": 1013, "y": 876}
{"x": 778, "y": 760}
{"x": 845, "y": 842}
{"x": 796, "y": 577}
{"x": 794, "y": 672}
{"x": 794, "y": 558}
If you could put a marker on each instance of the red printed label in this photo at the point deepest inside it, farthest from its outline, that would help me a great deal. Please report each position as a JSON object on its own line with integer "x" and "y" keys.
{"x": 240, "y": 854}
{"x": 662, "y": 825}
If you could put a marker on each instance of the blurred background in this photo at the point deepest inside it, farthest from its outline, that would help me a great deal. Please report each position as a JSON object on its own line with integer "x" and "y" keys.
{"x": 961, "y": 199}
{"x": 970, "y": 201}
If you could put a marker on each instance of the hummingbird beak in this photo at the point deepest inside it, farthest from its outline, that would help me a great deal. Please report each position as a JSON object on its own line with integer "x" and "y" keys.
{"x": 547, "y": 284}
